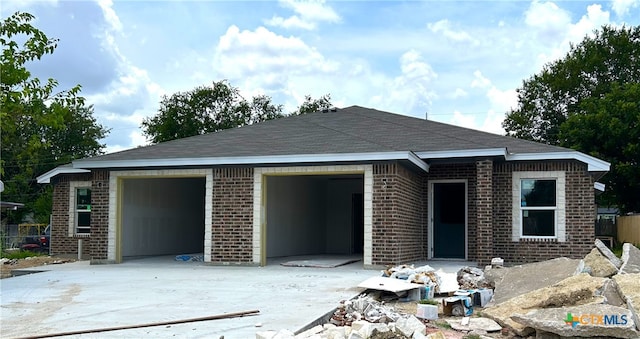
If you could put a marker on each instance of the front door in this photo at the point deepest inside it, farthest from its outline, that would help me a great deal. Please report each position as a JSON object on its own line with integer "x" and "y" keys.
{"x": 449, "y": 209}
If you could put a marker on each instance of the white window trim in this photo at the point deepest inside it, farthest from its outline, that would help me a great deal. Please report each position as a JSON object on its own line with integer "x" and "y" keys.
{"x": 516, "y": 210}
{"x": 73, "y": 188}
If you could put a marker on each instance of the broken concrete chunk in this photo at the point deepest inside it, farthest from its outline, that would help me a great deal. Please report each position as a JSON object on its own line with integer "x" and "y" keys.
{"x": 340, "y": 332}
{"x": 409, "y": 325}
{"x": 605, "y": 251}
{"x": 475, "y": 324}
{"x": 310, "y": 333}
{"x": 630, "y": 259}
{"x": 575, "y": 290}
{"x": 611, "y": 295}
{"x": 265, "y": 334}
{"x": 598, "y": 265}
{"x": 629, "y": 287}
{"x": 513, "y": 281}
{"x": 581, "y": 321}
{"x": 471, "y": 278}
{"x": 284, "y": 334}
{"x": 497, "y": 262}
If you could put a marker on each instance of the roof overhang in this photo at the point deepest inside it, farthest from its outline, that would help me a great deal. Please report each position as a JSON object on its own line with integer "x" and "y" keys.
{"x": 594, "y": 164}
{"x": 599, "y": 186}
{"x": 255, "y": 160}
{"x": 10, "y": 206}
{"x": 46, "y": 177}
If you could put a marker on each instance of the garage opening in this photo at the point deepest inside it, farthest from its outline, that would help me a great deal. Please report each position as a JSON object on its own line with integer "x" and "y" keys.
{"x": 162, "y": 216}
{"x": 314, "y": 215}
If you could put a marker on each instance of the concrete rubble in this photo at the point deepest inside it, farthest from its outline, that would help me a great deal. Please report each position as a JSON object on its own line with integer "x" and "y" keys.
{"x": 598, "y": 296}
{"x": 630, "y": 259}
{"x": 597, "y": 291}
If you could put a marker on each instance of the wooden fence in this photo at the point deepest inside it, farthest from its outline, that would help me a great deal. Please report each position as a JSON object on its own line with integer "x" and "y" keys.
{"x": 629, "y": 229}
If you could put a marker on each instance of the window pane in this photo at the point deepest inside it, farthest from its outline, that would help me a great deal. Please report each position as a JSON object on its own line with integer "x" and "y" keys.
{"x": 84, "y": 219}
{"x": 538, "y": 193}
{"x": 538, "y": 223}
{"x": 83, "y": 197}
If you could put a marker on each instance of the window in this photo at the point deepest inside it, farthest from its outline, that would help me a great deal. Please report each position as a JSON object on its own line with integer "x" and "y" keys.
{"x": 538, "y": 205}
{"x": 83, "y": 211}
{"x": 79, "y": 208}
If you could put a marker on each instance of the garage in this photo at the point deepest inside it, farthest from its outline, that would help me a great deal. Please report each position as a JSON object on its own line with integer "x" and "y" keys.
{"x": 162, "y": 216}
{"x": 314, "y": 215}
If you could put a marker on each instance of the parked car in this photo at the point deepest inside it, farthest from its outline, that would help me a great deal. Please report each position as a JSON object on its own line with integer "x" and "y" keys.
{"x": 38, "y": 243}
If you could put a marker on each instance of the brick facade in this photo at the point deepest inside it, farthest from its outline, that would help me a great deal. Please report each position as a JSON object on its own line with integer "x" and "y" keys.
{"x": 62, "y": 244}
{"x": 399, "y": 215}
{"x": 99, "y": 216}
{"x": 399, "y": 212}
{"x": 580, "y": 214}
{"x": 232, "y": 213}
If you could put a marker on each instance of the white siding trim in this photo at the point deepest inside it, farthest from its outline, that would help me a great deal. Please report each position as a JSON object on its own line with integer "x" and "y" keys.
{"x": 560, "y": 178}
{"x": 73, "y": 187}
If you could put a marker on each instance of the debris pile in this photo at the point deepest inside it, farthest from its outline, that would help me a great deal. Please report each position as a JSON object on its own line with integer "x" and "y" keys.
{"x": 596, "y": 296}
{"x": 471, "y": 278}
{"x": 363, "y": 307}
{"x": 424, "y": 275}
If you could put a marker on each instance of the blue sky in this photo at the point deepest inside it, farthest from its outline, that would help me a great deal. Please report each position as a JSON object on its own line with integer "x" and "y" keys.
{"x": 460, "y": 61}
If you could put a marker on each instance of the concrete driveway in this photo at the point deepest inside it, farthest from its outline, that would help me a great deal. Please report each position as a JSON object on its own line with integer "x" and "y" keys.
{"x": 79, "y": 296}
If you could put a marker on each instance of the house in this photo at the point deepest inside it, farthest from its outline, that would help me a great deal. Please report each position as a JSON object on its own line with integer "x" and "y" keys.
{"x": 392, "y": 188}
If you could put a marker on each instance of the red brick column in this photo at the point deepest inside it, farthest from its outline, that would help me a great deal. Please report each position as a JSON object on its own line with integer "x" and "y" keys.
{"x": 99, "y": 218}
{"x": 484, "y": 211}
{"x": 232, "y": 216}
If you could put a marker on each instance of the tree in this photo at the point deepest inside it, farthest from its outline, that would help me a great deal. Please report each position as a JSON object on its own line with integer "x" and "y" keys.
{"x": 207, "y": 109}
{"x": 611, "y": 131}
{"x": 310, "y": 105}
{"x": 589, "y": 101}
{"x": 41, "y": 129}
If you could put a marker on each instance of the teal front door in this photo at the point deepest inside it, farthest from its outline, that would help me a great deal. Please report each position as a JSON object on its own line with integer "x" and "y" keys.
{"x": 449, "y": 220}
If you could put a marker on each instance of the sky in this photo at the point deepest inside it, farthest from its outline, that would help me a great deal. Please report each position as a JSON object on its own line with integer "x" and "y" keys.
{"x": 458, "y": 62}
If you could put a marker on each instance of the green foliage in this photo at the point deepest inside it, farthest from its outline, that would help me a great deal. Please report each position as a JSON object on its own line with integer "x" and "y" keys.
{"x": 428, "y": 302}
{"x": 21, "y": 254}
{"x": 41, "y": 128}
{"x": 590, "y": 101}
{"x": 310, "y": 105}
{"x": 207, "y": 109}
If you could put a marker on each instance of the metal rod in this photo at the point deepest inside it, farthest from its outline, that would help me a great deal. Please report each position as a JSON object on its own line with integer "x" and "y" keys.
{"x": 172, "y": 322}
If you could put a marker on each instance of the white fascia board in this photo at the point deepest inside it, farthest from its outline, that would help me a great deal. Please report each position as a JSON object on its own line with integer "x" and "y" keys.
{"x": 463, "y": 153}
{"x": 594, "y": 164}
{"x": 46, "y": 177}
{"x": 251, "y": 160}
{"x": 599, "y": 186}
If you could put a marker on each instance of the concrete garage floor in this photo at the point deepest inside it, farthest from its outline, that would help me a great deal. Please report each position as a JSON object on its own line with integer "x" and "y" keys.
{"x": 79, "y": 296}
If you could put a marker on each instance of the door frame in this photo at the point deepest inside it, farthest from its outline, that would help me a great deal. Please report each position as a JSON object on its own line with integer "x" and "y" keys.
{"x": 466, "y": 216}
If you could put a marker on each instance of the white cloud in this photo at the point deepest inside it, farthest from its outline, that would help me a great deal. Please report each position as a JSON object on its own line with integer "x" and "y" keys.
{"x": 459, "y": 93}
{"x": 547, "y": 17}
{"x": 110, "y": 15}
{"x": 444, "y": 27}
{"x": 622, "y": 7}
{"x": 308, "y": 14}
{"x": 479, "y": 80}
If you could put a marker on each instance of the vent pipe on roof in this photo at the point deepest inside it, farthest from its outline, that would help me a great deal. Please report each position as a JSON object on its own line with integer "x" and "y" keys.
{"x": 334, "y": 109}
{"x": 325, "y": 110}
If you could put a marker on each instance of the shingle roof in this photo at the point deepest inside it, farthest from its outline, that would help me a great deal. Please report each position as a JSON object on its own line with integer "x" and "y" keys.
{"x": 353, "y": 129}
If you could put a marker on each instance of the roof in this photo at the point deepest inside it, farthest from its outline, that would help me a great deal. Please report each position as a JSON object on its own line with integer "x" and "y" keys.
{"x": 350, "y": 134}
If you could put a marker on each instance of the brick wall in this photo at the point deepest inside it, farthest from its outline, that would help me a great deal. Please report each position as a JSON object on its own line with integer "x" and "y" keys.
{"x": 484, "y": 212}
{"x": 580, "y": 214}
{"x": 459, "y": 171}
{"x": 399, "y": 212}
{"x": 232, "y": 216}
{"x": 99, "y": 215}
{"x": 61, "y": 244}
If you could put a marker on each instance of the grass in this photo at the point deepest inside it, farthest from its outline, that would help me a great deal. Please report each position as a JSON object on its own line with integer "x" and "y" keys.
{"x": 20, "y": 254}
{"x": 443, "y": 324}
{"x": 471, "y": 336}
{"x": 428, "y": 302}
{"x": 617, "y": 249}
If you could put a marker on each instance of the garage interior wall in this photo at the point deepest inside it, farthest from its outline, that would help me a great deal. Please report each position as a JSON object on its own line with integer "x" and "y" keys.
{"x": 310, "y": 214}
{"x": 162, "y": 216}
